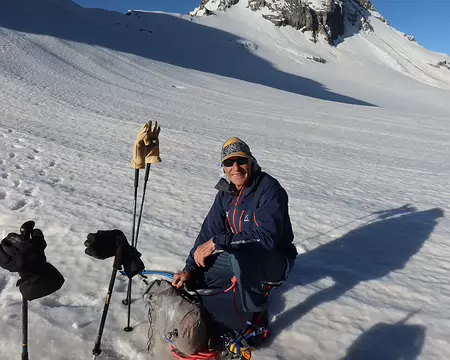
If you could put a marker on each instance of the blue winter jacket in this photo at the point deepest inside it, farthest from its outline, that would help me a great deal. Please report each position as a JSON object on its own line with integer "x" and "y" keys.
{"x": 255, "y": 218}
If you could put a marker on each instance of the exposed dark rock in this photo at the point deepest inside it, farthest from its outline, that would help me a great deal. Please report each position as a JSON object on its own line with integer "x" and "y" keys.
{"x": 444, "y": 63}
{"x": 258, "y": 4}
{"x": 299, "y": 15}
{"x": 330, "y": 20}
{"x": 221, "y": 5}
{"x": 410, "y": 37}
{"x": 366, "y": 4}
{"x": 316, "y": 59}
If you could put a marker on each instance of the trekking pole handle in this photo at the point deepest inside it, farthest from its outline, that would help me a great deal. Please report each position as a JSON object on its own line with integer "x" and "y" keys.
{"x": 26, "y": 229}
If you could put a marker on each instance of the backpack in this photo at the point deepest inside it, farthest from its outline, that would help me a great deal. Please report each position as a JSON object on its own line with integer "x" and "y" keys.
{"x": 179, "y": 317}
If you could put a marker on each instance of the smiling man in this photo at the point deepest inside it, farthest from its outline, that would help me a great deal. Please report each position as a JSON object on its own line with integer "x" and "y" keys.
{"x": 247, "y": 233}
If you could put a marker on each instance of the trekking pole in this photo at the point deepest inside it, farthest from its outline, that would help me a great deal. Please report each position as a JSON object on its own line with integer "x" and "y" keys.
{"x": 147, "y": 172}
{"x": 127, "y": 301}
{"x": 116, "y": 266}
{"x": 24, "y": 329}
{"x": 136, "y": 182}
{"x": 25, "y": 231}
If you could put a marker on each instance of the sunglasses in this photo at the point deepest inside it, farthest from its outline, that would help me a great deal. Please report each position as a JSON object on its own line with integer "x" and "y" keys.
{"x": 230, "y": 162}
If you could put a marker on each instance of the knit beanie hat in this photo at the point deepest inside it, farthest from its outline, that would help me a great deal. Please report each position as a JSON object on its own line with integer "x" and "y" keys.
{"x": 235, "y": 147}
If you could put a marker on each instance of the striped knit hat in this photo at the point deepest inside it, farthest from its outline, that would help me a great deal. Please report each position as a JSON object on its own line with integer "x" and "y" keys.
{"x": 235, "y": 147}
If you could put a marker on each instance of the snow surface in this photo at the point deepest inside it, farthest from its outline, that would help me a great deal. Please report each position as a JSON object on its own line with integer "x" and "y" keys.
{"x": 360, "y": 143}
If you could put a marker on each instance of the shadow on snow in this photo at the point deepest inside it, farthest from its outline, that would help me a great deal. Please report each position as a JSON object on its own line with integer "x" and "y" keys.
{"x": 371, "y": 251}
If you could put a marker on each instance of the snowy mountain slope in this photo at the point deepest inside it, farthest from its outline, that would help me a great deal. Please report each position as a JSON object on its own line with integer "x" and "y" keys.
{"x": 371, "y": 37}
{"x": 77, "y": 84}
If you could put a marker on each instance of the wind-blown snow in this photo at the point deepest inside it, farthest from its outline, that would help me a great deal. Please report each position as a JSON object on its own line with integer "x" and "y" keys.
{"x": 360, "y": 143}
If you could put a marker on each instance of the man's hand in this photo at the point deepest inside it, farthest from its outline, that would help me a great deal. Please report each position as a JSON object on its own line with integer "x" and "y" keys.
{"x": 203, "y": 251}
{"x": 180, "y": 278}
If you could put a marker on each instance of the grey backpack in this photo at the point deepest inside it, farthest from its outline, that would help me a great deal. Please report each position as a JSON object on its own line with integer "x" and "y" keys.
{"x": 178, "y": 317}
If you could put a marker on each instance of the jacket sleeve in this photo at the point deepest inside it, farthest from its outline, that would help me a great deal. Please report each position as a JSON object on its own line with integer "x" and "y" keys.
{"x": 213, "y": 224}
{"x": 270, "y": 219}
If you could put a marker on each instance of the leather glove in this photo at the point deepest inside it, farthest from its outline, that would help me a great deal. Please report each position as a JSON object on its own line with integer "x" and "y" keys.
{"x": 146, "y": 147}
{"x": 108, "y": 243}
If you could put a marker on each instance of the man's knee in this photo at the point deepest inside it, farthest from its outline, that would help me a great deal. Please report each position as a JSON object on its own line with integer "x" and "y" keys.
{"x": 269, "y": 266}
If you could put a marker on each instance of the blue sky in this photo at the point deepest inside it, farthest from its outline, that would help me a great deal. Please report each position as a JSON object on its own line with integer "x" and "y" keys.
{"x": 426, "y": 20}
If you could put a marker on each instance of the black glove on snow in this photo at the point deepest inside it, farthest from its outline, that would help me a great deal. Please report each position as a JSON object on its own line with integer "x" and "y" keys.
{"x": 25, "y": 255}
{"x": 108, "y": 243}
{"x": 18, "y": 254}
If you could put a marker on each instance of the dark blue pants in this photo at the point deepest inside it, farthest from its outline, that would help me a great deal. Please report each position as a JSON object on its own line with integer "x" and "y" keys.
{"x": 251, "y": 269}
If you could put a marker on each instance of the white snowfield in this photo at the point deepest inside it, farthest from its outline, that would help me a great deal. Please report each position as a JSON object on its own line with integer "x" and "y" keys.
{"x": 360, "y": 143}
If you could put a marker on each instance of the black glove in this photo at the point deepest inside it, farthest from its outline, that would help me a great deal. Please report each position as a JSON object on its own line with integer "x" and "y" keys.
{"x": 25, "y": 255}
{"x": 21, "y": 254}
{"x": 108, "y": 243}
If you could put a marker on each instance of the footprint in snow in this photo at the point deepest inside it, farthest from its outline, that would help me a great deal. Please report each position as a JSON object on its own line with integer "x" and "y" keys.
{"x": 4, "y": 175}
{"x": 55, "y": 181}
{"x": 34, "y": 204}
{"x": 3, "y": 195}
{"x": 19, "y": 204}
{"x": 29, "y": 192}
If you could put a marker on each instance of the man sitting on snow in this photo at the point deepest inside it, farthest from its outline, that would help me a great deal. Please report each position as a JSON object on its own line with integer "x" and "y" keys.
{"x": 247, "y": 233}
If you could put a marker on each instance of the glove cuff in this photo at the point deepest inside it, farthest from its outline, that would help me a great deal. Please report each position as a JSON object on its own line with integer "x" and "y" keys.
{"x": 34, "y": 286}
{"x": 153, "y": 159}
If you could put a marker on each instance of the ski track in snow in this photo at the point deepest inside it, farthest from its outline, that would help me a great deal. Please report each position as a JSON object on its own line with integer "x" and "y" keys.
{"x": 368, "y": 186}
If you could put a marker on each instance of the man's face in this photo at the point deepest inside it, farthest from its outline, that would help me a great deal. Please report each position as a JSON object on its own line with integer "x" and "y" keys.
{"x": 238, "y": 170}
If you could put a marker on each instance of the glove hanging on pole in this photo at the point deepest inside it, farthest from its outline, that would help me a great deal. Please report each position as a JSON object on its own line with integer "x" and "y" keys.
{"x": 25, "y": 255}
{"x": 104, "y": 244}
{"x": 146, "y": 147}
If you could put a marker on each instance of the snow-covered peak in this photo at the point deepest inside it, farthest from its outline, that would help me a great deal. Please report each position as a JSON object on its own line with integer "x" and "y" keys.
{"x": 321, "y": 23}
{"x": 328, "y": 17}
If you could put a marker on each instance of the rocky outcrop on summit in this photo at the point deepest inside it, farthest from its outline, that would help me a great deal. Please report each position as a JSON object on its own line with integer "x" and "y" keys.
{"x": 410, "y": 37}
{"x": 328, "y": 17}
{"x": 207, "y": 7}
{"x": 366, "y": 4}
{"x": 295, "y": 13}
